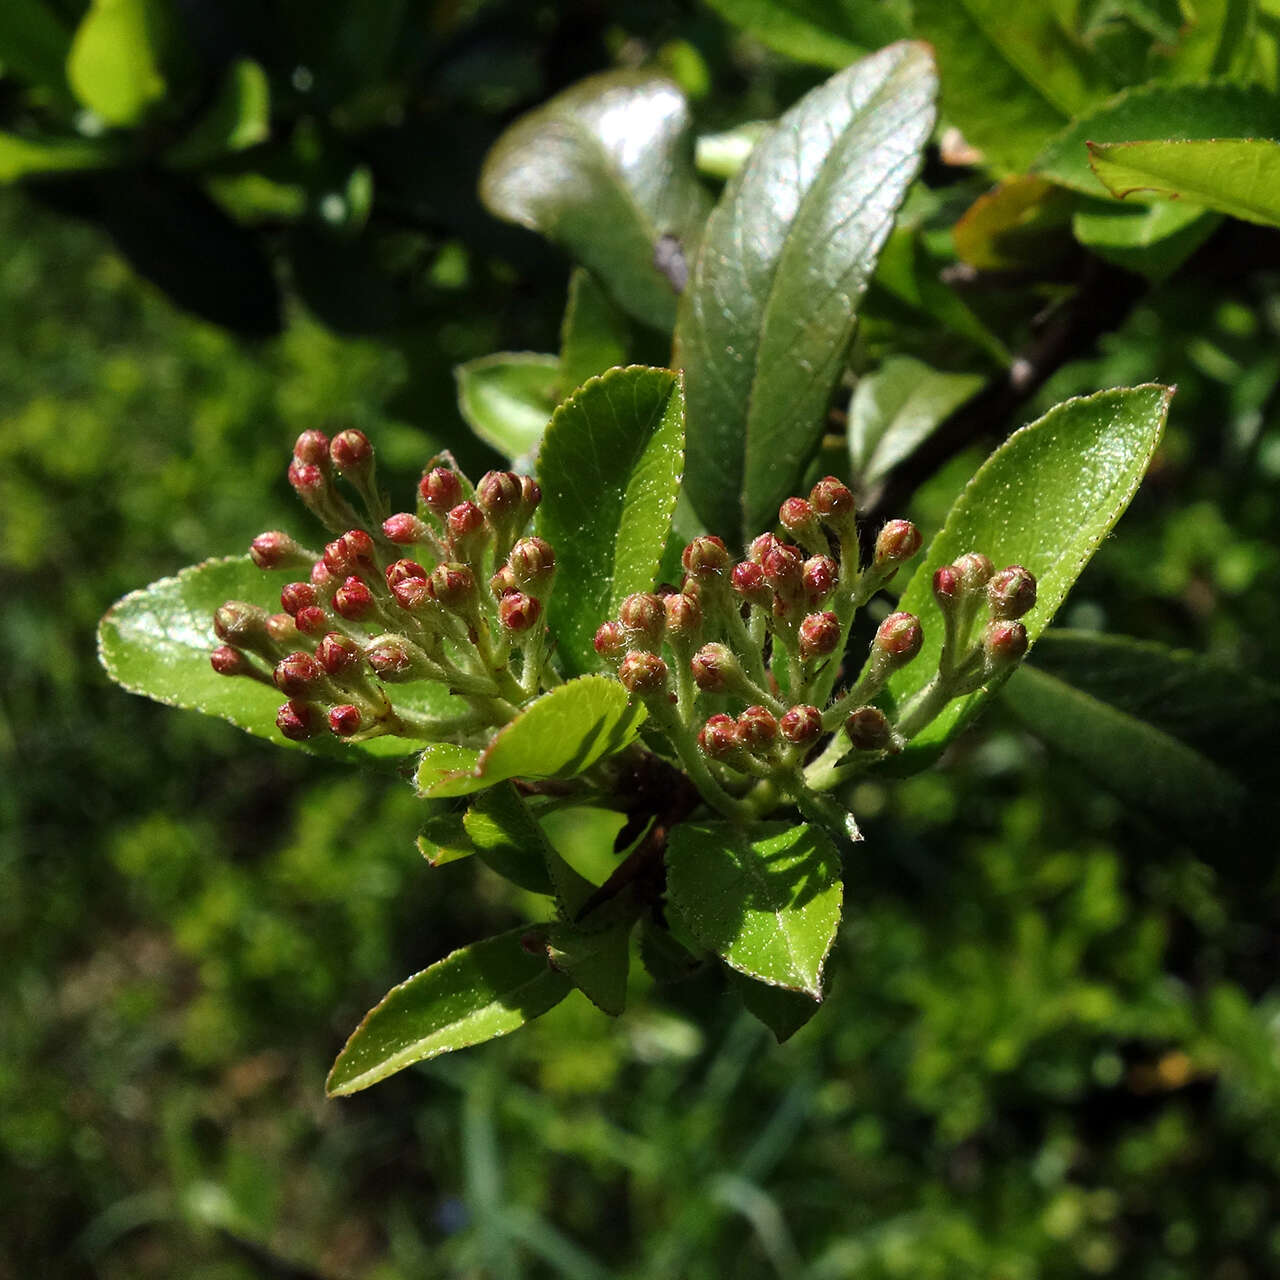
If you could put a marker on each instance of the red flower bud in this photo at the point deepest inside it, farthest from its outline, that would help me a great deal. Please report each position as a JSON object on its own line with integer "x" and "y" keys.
{"x": 297, "y": 675}
{"x": 337, "y": 654}
{"x": 530, "y": 497}
{"x": 307, "y": 480}
{"x": 684, "y": 616}
{"x": 345, "y": 720}
{"x": 399, "y": 570}
{"x": 819, "y": 635}
{"x": 868, "y": 729}
{"x": 351, "y": 452}
{"x": 276, "y": 550}
{"x": 502, "y": 582}
{"x": 896, "y": 543}
{"x": 391, "y": 658}
{"x": 643, "y": 673}
{"x": 832, "y": 500}
{"x": 498, "y": 494}
{"x": 452, "y": 586}
{"x": 946, "y": 584}
{"x": 282, "y": 629}
{"x": 413, "y": 594}
{"x": 311, "y": 620}
{"x": 312, "y": 448}
{"x": 899, "y": 638}
{"x": 1012, "y": 592}
{"x": 784, "y": 571}
{"x": 295, "y": 596}
{"x": 466, "y": 528}
{"x": 323, "y": 580}
{"x": 644, "y": 615}
{"x": 350, "y": 553}
{"x": 611, "y": 640}
{"x": 800, "y": 520}
{"x": 975, "y": 570}
{"x": 353, "y": 600}
{"x": 518, "y": 612}
{"x": 236, "y": 622}
{"x": 533, "y": 565}
{"x": 1005, "y": 642}
{"x": 440, "y": 490}
{"x": 719, "y": 738}
{"x": 227, "y": 661}
{"x": 749, "y": 582}
{"x": 298, "y": 721}
{"x": 801, "y": 725}
{"x": 758, "y": 728}
{"x": 404, "y": 529}
{"x": 706, "y": 558}
{"x": 821, "y": 574}
{"x": 760, "y": 547}
{"x": 715, "y": 668}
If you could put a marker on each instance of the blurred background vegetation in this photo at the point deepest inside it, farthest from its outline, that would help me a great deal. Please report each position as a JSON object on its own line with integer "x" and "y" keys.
{"x": 1052, "y": 1046}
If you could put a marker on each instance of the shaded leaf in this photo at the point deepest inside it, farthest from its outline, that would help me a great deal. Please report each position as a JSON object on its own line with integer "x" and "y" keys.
{"x": 786, "y": 256}
{"x": 609, "y": 469}
{"x": 830, "y": 33}
{"x": 475, "y": 994}
{"x": 1153, "y": 240}
{"x": 606, "y": 170}
{"x": 443, "y": 839}
{"x": 766, "y": 900}
{"x": 238, "y": 118}
{"x": 507, "y": 400}
{"x": 1045, "y": 499}
{"x": 593, "y": 336}
{"x": 35, "y": 44}
{"x": 783, "y": 1012}
{"x": 25, "y": 157}
{"x": 507, "y": 838}
{"x": 596, "y": 962}
{"x": 1022, "y": 223}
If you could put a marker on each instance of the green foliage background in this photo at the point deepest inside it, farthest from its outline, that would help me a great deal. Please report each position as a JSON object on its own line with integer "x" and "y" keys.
{"x": 1052, "y": 1046}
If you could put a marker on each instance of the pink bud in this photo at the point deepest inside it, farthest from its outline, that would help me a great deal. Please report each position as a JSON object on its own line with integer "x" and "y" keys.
{"x": 452, "y": 586}
{"x": 821, "y": 574}
{"x": 297, "y": 675}
{"x": 350, "y": 553}
{"x": 312, "y": 449}
{"x": 307, "y": 479}
{"x": 705, "y": 558}
{"x": 399, "y": 570}
{"x": 644, "y": 615}
{"x": 533, "y": 565}
{"x": 801, "y": 725}
{"x": 440, "y": 490}
{"x": 832, "y": 500}
{"x": 412, "y": 594}
{"x": 227, "y": 661}
{"x": 749, "y": 582}
{"x": 719, "y": 738}
{"x": 819, "y": 635}
{"x": 237, "y": 621}
{"x": 530, "y": 497}
{"x": 518, "y": 612}
{"x": 404, "y": 529}
{"x": 897, "y": 542}
{"x": 758, "y": 728}
{"x": 761, "y": 546}
{"x": 502, "y": 582}
{"x": 975, "y": 570}
{"x": 322, "y": 579}
{"x": 466, "y": 528}
{"x": 946, "y": 584}
{"x": 611, "y": 640}
{"x": 390, "y": 658}
{"x": 643, "y": 673}
{"x": 276, "y": 550}
{"x": 868, "y": 729}
{"x": 784, "y": 571}
{"x": 498, "y": 495}
{"x": 298, "y": 721}
{"x": 799, "y": 519}
{"x": 684, "y": 615}
{"x": 1005, "y": 642}
{"x": 295, "y": 596}
{"x": 351, "y": 452}
{"x": 1012, "y": 592}
{"x": 336, "y": 653}
{"x": 353, "y": 600}
{"x": 899, "y": 637}
{"x": 282, "y": 629}
{"x": 311, "y": 620}
{"x": 345, "y": 720}
{"x": 715, "y": 668}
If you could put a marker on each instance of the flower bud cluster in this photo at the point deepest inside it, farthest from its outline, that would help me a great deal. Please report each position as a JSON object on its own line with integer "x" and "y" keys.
{"x": 452, "y": 591}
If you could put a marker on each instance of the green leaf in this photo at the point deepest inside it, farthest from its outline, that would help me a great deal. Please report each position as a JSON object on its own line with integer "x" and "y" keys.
{"x": 1045, "y": 499}
{"x": 606, "y": 170}
{"x": 238, "y": 118}
{"x": 1236, "y": 176}
{"x": 1153, "y": 240}
{"x": 475, "y": 994}
{"x": 34, "y": 44}
{"x": 507, "y": 837}
{"x": 765, "y": 900}
{"x": 1218, "y": 39}
{"x": 610, "y": 470}
{"x": 783, "y": 1012}
{"x": 829, "y": 33}
{"x": 721, "y": 155}
{"x": 786, "y": 256}
{"x": 1155, "y": 111}
{"x": 443, "y": 839}
{"x": 897, "y": 407}
{"x": 157, "y": 642}
{"x": 115, "y": 63}
{"x": 22, "y": 157}
{"x": 508, "y": 399}
{"x": 1020, "y": 224}
{"x": 1011, "y": 76}
{"x": 593, "y": 336}
{"x": 595, "y": 962}
{"x": 446, "y": 770}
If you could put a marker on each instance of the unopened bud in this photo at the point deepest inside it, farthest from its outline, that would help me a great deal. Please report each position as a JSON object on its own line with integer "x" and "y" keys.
{"x": 819, "y": 635}
{"x": 947, "y": 584}
{"x": 311, "y": 620}
{"x": 394, "y": 658}
{"x": 899, "y": 638}
{"x": 307, "y": 480}
{"x": 297, "y": 674}
{"x": 833, "y": 500}
{"x": 800, "y": 520}
{"x": 350, "y": 553}
{"x": 761, "y": 546}
{"x": 239, "y": 623}
{"x": 611, "y": 640}
{"x": 337, "y": 653}
{"x": 399, "y": 570}
{"x": 351, "y": 452}
{"x": 749, "y": 582}
{"x": 706, "y": 558}
{"x": 502, "y": 582}
{"x": 345, "y": 720}
{"x": 467, "y": 530}
{"x": 404, "y": 529}
{"x": 715, "y": 668}
{"x": 975, "y": 571}
{"x": 498, "y": 495}
{"x": 413, "y": 594}
{"x": 276, "y": 550}
{"x": 821, "y": 574}
{"x": 298, "y": 721}
{"x": 353, "y": 600}
{"x": 645, "y": 617}
{"x": 869, "y": 729}
{"x": 533, "y": 565}
{"x": 1011, "y": 592}
{"x": 1005, "y": 642}
{"x": 758, "y": 728}
{"x": 684, "y": 616}
{"x": 453, "y": 587}
{"x": 295, "y": 596}
{"x": 643, "y": 673}
{"x": 530, "y": 497}
{"x": 440, "y": 490}
{"x": 282, "y": 630}
{"x": 718, "y": 738}
{"x": 227, "y": 661}
{"x": 518, "y": 612}
{"x": 784, "y": 571}
{"x": 312, "y": 448}
{"x": 896, "y": 543}
{"x": 323, "y": 580}
{"x": 801, "y": 725}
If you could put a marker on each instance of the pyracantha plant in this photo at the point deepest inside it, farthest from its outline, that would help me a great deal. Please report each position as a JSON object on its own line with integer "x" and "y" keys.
{"x": 648, "y": 639}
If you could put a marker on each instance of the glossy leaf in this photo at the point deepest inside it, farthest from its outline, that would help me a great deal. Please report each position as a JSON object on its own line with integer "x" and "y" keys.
{"x": 446, "y": 770}
{"x": 897, "y": 407}
{"x": 829, "y": 33}
{"x": 475, "y": 994}
{"x": 606, "y": 170}
{"x": 443, "y": 839}
{"x": 25, "y": 157}
{"x": 593, "y": 336}
{"x": 507, "y": 838}
{"x": 508, "y": 399}
{"x": 596, "y": 962}
{"x": 609, "y": 469}
{"x": 772, "y": 299}
{"x": 1155, "y": 111}
{"x": 157, "y": 642}
{"x": 1153, "y": 240}
{"x": 1236, "y": 176}
{"x": 115, "y": 63}
{"x": 783, "y": 1012}
{"x": 766, "y": 899}
{"x": 238, "y": 118}
{"x": 1045, "y": 499}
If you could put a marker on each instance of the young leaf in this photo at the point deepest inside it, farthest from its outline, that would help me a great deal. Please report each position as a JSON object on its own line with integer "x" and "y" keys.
{"x": 783, "y": 1012}
{"x": 595, "y": 962}
{"x": 115, "y": 63}
{"x": 238, "y": 118}
{"x": 1155, "y": 111}
{"x": 766, "y": 900}
{"x": 895, "y": 408}
{"x": 507, "y": 838}
{"x": 785, "y": 258}
{"x": 1236, "y": 176}
{"x": 443, "y": 839}
{"x": 606, "y": 170}
{"x": 475, "y": 994}
{"x": 446, "y": 769}
{"x": 1045, "y": 499}
{"x": 610, "y": 470}
{"x": 157, "y": 641}
{"x": 508, "y": 399}
{"x": 22, "y": 157}
{"x": 593, "y": 335}
{"x": 829, "y": 33}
